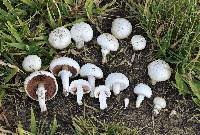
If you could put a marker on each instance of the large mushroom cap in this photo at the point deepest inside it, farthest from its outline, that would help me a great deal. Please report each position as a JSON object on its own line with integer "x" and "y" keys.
{"x": 117, "y": 78}
{"x": 37, "y": 77}
{"x": 161, "y": 102}
{"x": 91, "y": 70}
{"x": 32, "y": 63}
{"x": 108, "y": 41}
{"x": 64, "y": 62}
{"x": 101, "y": 88}
{"x": 143, "y": 89}
{"x": 138, "y": 42}
{"x": 85, "y": 85}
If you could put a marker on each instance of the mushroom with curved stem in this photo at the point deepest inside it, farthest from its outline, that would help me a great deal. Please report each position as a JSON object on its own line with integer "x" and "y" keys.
{"x": 108, "y": 43}
{"x": 41, "y": 86}
{"x": 142, "y": 90}
{"x": 81, "y": 32}
{"x": 117, "y": 82}
{"x": 159, "y": 103}
{"x": 78, "y": 88}
{"x": 102, "y": 92}
{"x": 65, "y": 68}
{"x": 92, "y": 72}
{"x": 138, "y": 42}
{"x": 158, "y": 71}
{"x": 31, "y": 63}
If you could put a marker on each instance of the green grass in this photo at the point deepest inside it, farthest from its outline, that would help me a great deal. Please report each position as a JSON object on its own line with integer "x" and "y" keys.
{"x": 173, "y": 26}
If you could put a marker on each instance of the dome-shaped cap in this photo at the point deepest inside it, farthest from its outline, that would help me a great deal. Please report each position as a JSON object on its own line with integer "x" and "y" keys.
{"x": 32, "y": 63}
{"x": 138, "y": 42}
{"x": 143, "y": 89}
{"x": 91, "y": 70}
{"x": 161, "y": 102}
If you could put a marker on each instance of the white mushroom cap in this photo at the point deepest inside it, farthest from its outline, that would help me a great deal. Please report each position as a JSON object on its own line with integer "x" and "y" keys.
{"x": 159, "y": 70}
{"x": 143, "y": 89}
{"x": 74, "y": 84}
{"x": 102, "y": 89}
{"x": 121, "y": 28}
{"x": 138, "y": 42}
{"x": 60, "y": 38}
{"x": 91, "y": 70}
{"x": 160, "y": 102}
{"x": 32, "y": 63}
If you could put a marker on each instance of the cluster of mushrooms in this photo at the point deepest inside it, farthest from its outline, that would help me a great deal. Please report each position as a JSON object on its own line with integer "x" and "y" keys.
{"x": 42, "y": 85}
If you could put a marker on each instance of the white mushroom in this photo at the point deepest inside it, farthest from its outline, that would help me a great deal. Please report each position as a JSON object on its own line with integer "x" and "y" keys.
{"x": 142, "y": 90}
{"x": 60, "y": 38}
{"x": 65, "y": 68}
{"x": 117, "y": 82}
{"x": 126, "y": 102}
{"x": 138, "y": 42}
{"x": 102, "y": 92}
{"x": 81, "y": 32}
{"x": 121, "y": 28}
{"x": 108, "y": 43}
{"x": 78, "y": 88}
{"x": 158, "y": 71}
{"x": 32, "y": 63}
{"x": 92, "y": 72}
{"x": 159, "y": 103}
{"x": 41, "y": 86}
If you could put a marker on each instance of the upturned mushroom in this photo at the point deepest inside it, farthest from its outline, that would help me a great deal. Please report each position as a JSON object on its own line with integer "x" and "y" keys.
{"x": 121, "y": 28}
{"x": 108, "y": 43}
{"x": 142, "y": 90}
{"x": 158, "y": 71}
{"x": 138, "y": 42}
{"x": 31, "y": 63}
{"x": 102, "y": 92}
{"x": 159, "y": 103}
{"x": 117, "y": 82}
{"x": 78, "y": 88}
{"x": 92, "y": 72}
{"x": 41, "y": 86}
{"x": 81, "y": 32}
{"x": 65, "y": 68}
{"x": 60, "y": 38}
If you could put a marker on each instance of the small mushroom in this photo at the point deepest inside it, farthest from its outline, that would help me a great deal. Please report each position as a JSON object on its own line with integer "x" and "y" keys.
{"x": 142, "y": 90}
{"x": 158, "y": 71}
{"x": 108, "y": 43}
{"x": 102, "y": 92}
{"x": 121, "y": 28}
{"x": 32, "y": 63}
{"x": 65, "y": 68}
{"x": 60, "y": 38}
{"x": 159, "y": 103}
{"x": 138, "y": 42}
{"x": 92, "y": 72}
{"x": 41, "y": 86}
{"x": 117, "y": 82}
{"x": 81, "y": 32}
{"x": 126, "y": 102}
{"x": 78, "y": 88}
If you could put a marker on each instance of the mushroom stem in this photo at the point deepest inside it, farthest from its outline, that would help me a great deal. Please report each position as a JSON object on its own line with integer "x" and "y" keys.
{"x": 153, "y": 82}
{"x": 79, "y": 95}
{"x": 41, "y": 97}
{"x": 91, "y": 80}
{"x": 104, "y": 53}
{"x": 116, "y": 89}
{"x": 79, "y": 44}
{"x": 102, "y": 100}
{"x": 156, "y": 110}
{"x": 65, "y": 81}
{"x": 139, "y": 100}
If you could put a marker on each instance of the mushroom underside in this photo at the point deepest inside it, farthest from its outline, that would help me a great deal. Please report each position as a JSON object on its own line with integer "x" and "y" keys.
{"x": 58, "y": 68}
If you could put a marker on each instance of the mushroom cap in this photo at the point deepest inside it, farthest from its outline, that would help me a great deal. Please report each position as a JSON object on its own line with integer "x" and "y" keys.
{"x": 121, "y": 28}
{"x": 31, "y": 63}
{"x": 101, "y": 88}
{"x": 108, "y": 41}
{"x": 32, "y": 81}
{"x": 138, "y": 42}
{"x": 143, "y": 89}
{"x": 81, "y": 32}
{"x": 91, "y": 70}
{"x": 161, "y": 102}
{"x": 117, "y": 78}
{"x": 58, "y": 63}
{"x": 159, "y": 70}
{"x": 85, "y": 85}
{"x": 60, "y": 38}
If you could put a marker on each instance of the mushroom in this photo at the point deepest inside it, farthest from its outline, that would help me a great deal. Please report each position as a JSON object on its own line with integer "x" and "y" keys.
{"x": 158, "y": 71}
{"x": 138, "y": 42}
{"x": 117, "y": 82}
{"x": 126, "y": 102}
{"x": 60, "y": 38}
{"x": 81, "y": 32}
{"x": 31, "y": 63}
{"x": 121, "y": 28}
{"x": 142, "y": 90}
{"x": 108, "y": 43}
{"x": 41, "y": 86}
{"x": 65, "y": 68}
{"x": 102, "y": 92}
{"x": 78, "y": 88}
{"x": 92, "y": 72}
{"x": 159, "y": 103}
